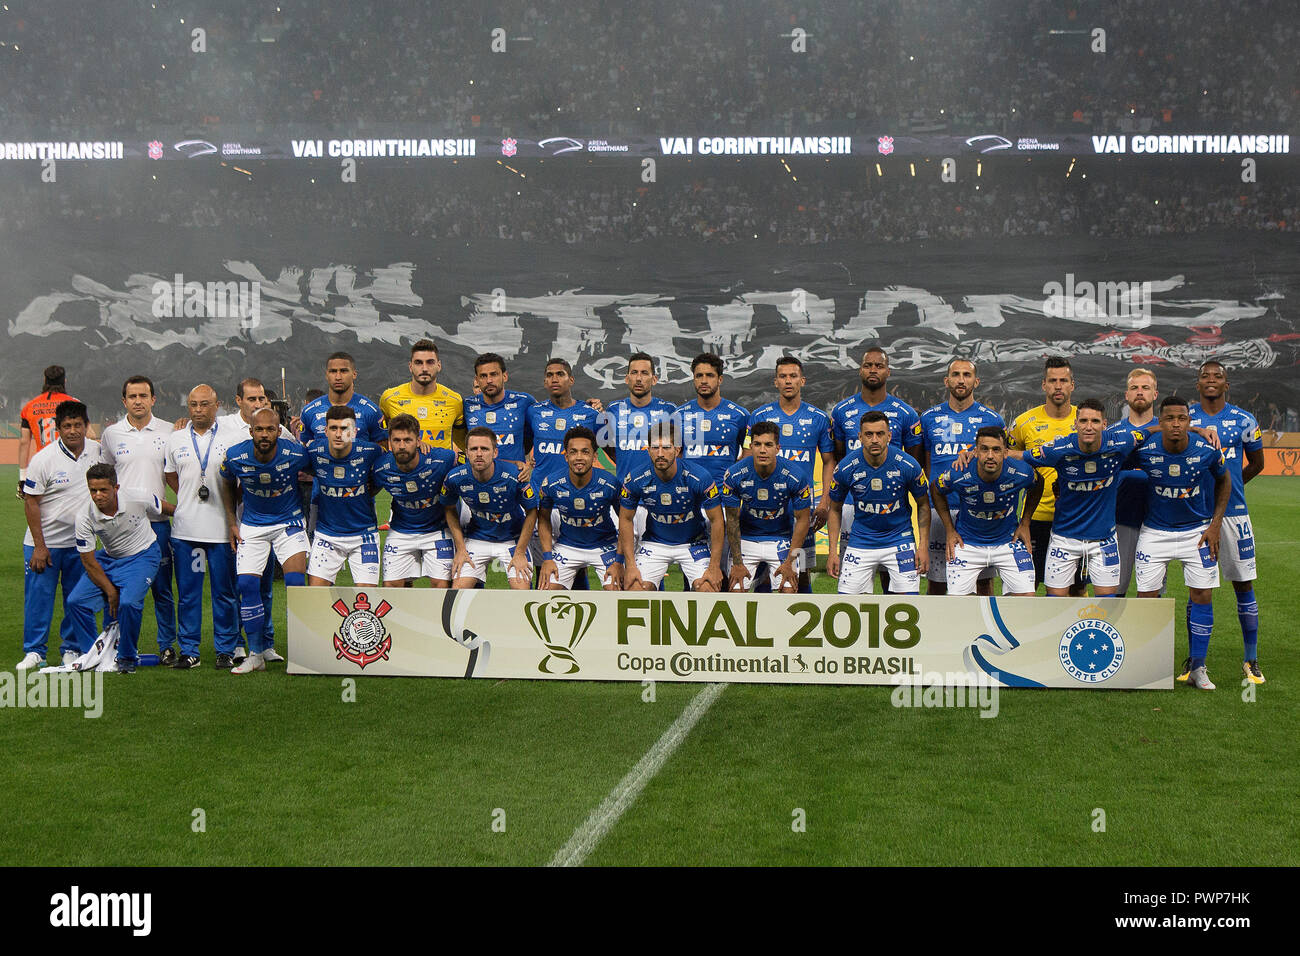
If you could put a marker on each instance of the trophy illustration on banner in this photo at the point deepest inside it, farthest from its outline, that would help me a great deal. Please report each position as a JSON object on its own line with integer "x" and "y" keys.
{"x": 560, "y": 624}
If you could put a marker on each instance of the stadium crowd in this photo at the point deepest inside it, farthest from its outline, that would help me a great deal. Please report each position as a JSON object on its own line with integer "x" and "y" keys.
{"x": 596, "y": 68}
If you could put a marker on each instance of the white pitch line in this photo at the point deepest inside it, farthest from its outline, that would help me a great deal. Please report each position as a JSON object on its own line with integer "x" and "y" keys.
{"x": 604, "y": 817}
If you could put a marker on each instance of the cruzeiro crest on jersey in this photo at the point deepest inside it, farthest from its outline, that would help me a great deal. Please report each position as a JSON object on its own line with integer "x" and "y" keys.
{"x": 1091, "y": 650}
{"x": 362, "y": 637}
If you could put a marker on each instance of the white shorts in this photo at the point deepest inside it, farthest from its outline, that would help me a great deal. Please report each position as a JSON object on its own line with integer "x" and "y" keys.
{"x": 1237, "y": 549}
{"x": 482, "y": 553}
{"x": 1155, "y": 549}
{"x": 653, "y": 559}
{"x": 1013, "y": 563}
{"x": 1099, "y": 558}
{"x": 360, "y": 551}
{"x": 569, "y": 561}
{"x": 938, "y": 572}
{"x": 858, "y": 566}
{"x": 410, "y": 556}
{"x": 772, "y": 553}
{"x": 258, "y": 541}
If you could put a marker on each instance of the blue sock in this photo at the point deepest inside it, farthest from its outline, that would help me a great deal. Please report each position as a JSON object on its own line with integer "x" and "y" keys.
{"x": 1248, "y": 615}
{"x": 251, "y": 612}
{"x": 1200, "y": 624}
{"x": 295, "y": 579}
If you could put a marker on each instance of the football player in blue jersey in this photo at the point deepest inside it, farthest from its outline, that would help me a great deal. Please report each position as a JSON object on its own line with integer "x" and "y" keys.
{"x": 503, "y": 514}
{"x": 713, "y": 427}
{"x": 579, "y": 506}
{"x": 947, "y": 429}
{"x": 503, "y": 410}
{"x": 904, "y": 422}
{"x": 805, "y": 434}
{"x": 768, "y": 510}
{"x": 879, "y": 478}
{"x": 1181, "y": 525}
{"x": 986, "y": 532}
{"x": 1140, "y": 396}
{"x": 625, "y": 424}
{"x": 346, "y": 529}
{"x": 341, "y": 376}
{"x": 263, "y": 471}
{"x": 1240, "y": 438}
{"x": 679, "y": 498}
{"x": 418, "y": 544}
{"x": 1086, "y": 465}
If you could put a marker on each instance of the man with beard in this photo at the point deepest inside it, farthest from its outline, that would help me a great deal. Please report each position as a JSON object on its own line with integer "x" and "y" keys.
{"x": 502, "y": 410}
{"x": 1038, "y": 427}
{"x": 579, "y": 505}
{"x": 1131, "y": 502}
{"x": 418, "y": 545}
{"x": 439, "y": 410}
{"x": 948, "y": 429}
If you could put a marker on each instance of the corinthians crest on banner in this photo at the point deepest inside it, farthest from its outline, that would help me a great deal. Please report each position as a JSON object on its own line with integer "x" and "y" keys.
{"x": 362, "y": 637}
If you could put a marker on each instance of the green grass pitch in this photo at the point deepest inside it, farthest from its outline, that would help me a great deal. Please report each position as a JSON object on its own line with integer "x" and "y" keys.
{"x": 419, "y": 771}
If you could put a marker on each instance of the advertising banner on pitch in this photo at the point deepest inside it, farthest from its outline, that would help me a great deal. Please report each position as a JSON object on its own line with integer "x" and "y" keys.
{"x": 795, "y": 639}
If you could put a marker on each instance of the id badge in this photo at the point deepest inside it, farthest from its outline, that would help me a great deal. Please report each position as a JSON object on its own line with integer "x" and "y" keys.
{"x": 1110, "y": 553}
{"x": 906, "y": 559}
{"x": 700, "y": 552}
{"x": 443, "y": 550}
{"x": 1206, "y": 560}
{"x": 1024, "y": 560}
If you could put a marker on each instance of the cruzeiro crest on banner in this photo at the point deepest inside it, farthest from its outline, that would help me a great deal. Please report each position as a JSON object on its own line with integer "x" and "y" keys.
{"x": 1092, "y": 650}
{"x": 560, "y": 624}
{"x": 362, "y": 637}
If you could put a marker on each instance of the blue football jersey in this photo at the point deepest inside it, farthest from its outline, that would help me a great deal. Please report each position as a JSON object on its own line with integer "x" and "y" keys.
{"x": 1176, "y": 498}
{"x": 341, "y": 491}
{"x": 767, "y": 505}
{"x": 987, "y": 511}
{"x": 547, "y": 425}
{"x": 804, "y": 435}
{"x": 674, "y": 506}
{"x": 417, "y": 502}
{"x": 624, "y": 426}
{"x": 945, "y": 432}
{"x": 1131, "y": 496}
{"x": 370, "y": 420}
{"x": 508, "y": 418}
{"x": 496, "y": 506}
{"x": 904, "y": 422}
{"x": 712, "y": 438}
{"x": 1087, "y": 483}
{"x": 586, "y": 520}
{"x": 270, "y": 489}
{"x": 882, "y": 511}
{"x": 1238, "y": 434}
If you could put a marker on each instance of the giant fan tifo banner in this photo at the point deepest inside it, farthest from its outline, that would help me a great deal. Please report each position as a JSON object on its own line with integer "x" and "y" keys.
{"x": 203, "y": 305}
{"x": 813, "y": 639}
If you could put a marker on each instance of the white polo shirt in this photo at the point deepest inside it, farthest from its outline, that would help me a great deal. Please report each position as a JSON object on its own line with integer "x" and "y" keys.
{"x": 238, "y": 427}
{"x": 60, "y": 481}
{"x": 126, "y": 533}
{"x": 196, "y": 520}
{"x": 138, "y": 453}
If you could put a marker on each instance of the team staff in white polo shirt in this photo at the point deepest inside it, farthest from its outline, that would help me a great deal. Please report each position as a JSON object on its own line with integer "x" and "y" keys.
{"x": 55, "y": 492}
{"x": 122, "y": 571}
{"x": 136, "y": 447}
{"x": 200, "y": 540}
